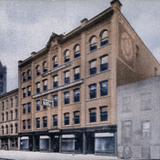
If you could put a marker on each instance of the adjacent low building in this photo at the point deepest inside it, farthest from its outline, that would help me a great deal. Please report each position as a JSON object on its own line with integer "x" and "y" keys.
{"x": 138, "y": 119}
{"x": 9, "y": 120}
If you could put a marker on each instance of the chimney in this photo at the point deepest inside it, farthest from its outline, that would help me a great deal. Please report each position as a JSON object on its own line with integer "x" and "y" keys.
{"x": 116, "y": 5}
{"x": 84, "y": 21}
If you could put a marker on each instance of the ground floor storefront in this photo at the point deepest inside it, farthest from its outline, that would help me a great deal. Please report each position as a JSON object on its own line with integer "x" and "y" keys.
{"x": 9, "y": 142}
{"x": 99, "y": 140}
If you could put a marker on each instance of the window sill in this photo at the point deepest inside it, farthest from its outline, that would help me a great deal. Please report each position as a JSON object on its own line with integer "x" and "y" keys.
{"x": 98, "y": 73}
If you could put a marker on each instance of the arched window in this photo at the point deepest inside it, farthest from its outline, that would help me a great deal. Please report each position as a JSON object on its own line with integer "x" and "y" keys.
{"x": 29, "y": 74}
{"x": 11, "y": 126}
{"x": 23, "y": 76}
{"x": 66, "y": 56}
{"x": 55, "y": 61}
{"x": 6, "y": 129}
{"x": 104, "y": 38}
{"x": 93, "y": 43}
{"x": 76, "y": 51}
{"x": 38, "y": 70}
{"x": 45, "y": 68}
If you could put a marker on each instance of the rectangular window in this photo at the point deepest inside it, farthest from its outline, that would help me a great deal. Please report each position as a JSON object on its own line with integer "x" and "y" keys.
{"x": 24, "y": 92}
{"x": 104, "y": 63}
{"x": 146, "y": 129}
{"x": 92, "y": 115}
{"x": 76, "y": 95}
{"x": 66, "y": 97}
{"x": 146, "y": 101}
{"x": 45, "y": 85}
{"x": 55, "y": 100}
{"x": 24, "y": 108}
{"x": 38, "y": 105}
{"x": 66, "y": 118}
{"x": 93, "y": 69}
{"x": 66, "y": 77}
{"x": 76, "y": 117}
{"x": 29, "y": 90}
{"x": 104, "y": 88}
{"x": 77, "y": 73}
{"x": 38, "y": 87}
{"x": 24, "y": 124}
{"x": 29, "y": 123}
{"x": 11, "y": 102}
{"x": 45, "y": 122}
{"x": 29, "y": 107}
{"x": 37, "y": 122}
{"x": 55, "y": 120}
{"x": 103, "y": 113}
{"x": 55, "y": 61}
{"x": 55, "y": 81}
{"x": 93, "y": 91}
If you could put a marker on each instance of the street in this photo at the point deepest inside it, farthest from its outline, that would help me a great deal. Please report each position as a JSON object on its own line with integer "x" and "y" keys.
{"x": 26, "y": 155}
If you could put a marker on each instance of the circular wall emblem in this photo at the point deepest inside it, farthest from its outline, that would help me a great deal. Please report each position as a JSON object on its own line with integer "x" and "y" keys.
{"x": 126, "y": 46}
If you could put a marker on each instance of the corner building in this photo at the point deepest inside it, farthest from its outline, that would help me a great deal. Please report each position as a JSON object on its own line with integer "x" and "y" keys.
{"x": 68, "y": 89}
{"x": 9, "y": 120}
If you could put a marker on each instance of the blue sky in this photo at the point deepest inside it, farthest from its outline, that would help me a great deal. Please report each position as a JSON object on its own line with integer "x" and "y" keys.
{"x": 26, "y": 26}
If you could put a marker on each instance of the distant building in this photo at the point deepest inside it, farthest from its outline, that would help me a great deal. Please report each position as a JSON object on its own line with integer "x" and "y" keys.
{"x": 3, "y": 79}
{"x": 139, "y": 119}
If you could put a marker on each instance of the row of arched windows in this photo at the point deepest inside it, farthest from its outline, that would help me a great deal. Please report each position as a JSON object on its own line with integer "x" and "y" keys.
{"x": 5, "y": 129}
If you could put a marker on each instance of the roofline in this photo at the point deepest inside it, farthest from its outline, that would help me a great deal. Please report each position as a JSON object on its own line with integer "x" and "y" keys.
{"x": 72, "y": 33}
{"x": 9, "y": 93}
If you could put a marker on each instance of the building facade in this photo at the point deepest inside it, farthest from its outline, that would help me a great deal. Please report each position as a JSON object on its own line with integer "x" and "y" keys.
{"x": 138, "y": 119}
{"x": 3, "y": 79}
{"x": 68, "y": 90}
{"x": 9, "y": 120}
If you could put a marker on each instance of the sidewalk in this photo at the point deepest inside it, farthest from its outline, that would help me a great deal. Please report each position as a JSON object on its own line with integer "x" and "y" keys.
{"x": 22, "y": 155}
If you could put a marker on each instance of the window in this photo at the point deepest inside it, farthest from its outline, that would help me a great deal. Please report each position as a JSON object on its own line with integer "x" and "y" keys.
{"x": 104, "y": 88}
{"x": 6, "y": 116}
{"x": 11, "y": 126}
{"x": 16, "y": 128}
{"x": 2, "y": 106}
{"x": 92, "y": 115}
{"x": 66, "y": 77}
{"x": 6, "y": 129}
{"x": 55, "y": 100}
{"x": 93, "y": 91}
{"x": 66, "y": 56}
{"x": 16, "y": 113}
{"x": 38, "y": 105}
{"x": 24, "y": 92}
{"x": 45, "y": 68}
{"x": 29, "y": 107}
{"x": 146, "y": 100}
{"x": 93, "y": 43}
{"x": 38, "y": 70}
{"x": 45, "y": 85}
{"x": 103, "y": 113}
{"x": 2, "y": 117}
{"x": 24, "y": 108}
{"x": 92, "y": 67}
{"x": 55, "y": 61}
{"x": 37, "y": 122}
{"x": 38, "y": 87}
{"x": 11, "y": 115}
{"x": 29, "y": 123}
{"x": 24, "y": 124}
{"x": 29, "y": 90}
{"x": 146, "y": 129}
{"x": 77, "y": 51}
{"x": 45, "y": 122}
{"x": 11, "y": 102}
{"x": 2, "y": 130}
{"x": 29, "y": 75}
{"x": 16, "y": 101}
{"x": 66, "y": 98}
{"x": 77, "y": 73}
{"x": 76, "y": 117}
{"x": 55, "y": 120}
{"x": 55, "y": 81}
{"x": 104, "y": 63}
{"x": 76, "y": 95}
{"x": 104, "y": 38}
{"x": 66, "y": 118}
{"x": 23, "y": 76}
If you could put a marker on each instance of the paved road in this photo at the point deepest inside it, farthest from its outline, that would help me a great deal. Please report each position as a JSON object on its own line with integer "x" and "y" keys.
{"x": 21, "y": 155}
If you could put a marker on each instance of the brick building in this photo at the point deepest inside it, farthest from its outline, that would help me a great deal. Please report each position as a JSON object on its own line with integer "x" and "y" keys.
{"x": 3, "y": 80}
{"x": 9, "y": 120}
{"x": 68, "y": 90}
